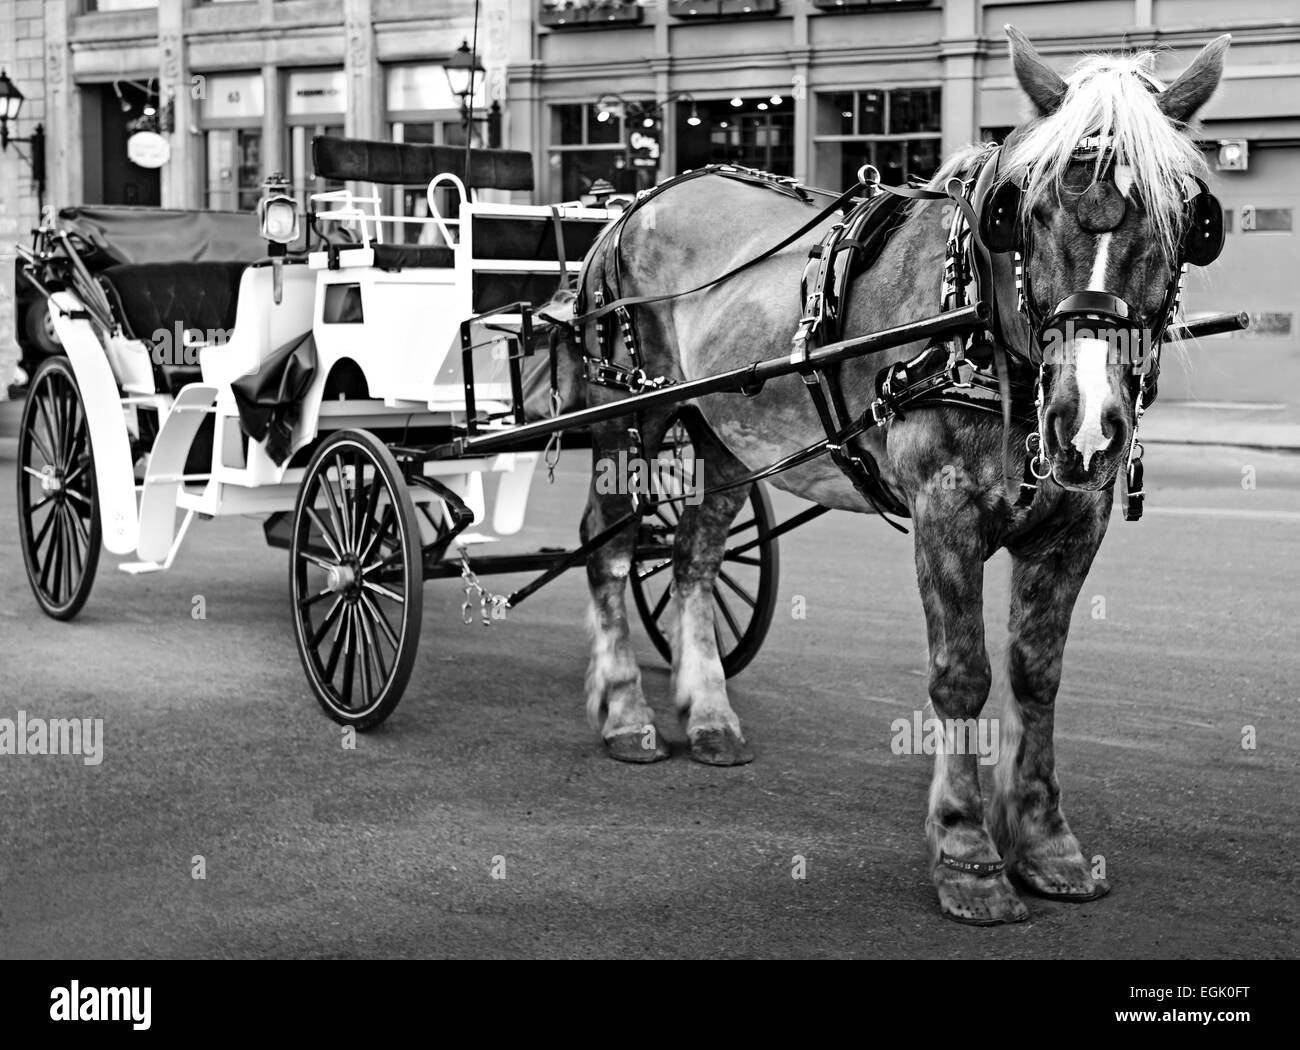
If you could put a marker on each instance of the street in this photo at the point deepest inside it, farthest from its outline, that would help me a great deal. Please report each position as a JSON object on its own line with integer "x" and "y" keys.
{"x": 483, "y": 819}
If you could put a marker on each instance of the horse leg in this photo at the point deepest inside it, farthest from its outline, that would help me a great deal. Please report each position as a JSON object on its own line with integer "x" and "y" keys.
{"x": 1040, "y": 850}
{"x": 699, "y": 684}
{"x": 966, "y": 869}
{"x": 616, "y": 705}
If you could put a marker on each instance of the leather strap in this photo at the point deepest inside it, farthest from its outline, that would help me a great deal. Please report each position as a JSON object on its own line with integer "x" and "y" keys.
{"x": 645, "y": 300}
{"x": 984, "y": 869}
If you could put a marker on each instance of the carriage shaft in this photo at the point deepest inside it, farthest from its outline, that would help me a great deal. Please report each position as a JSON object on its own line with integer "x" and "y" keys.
{"x": 738, "y": 380}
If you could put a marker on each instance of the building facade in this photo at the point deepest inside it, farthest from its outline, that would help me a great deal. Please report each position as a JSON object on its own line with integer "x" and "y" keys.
{"x": 235, "y": 89}
{"x": 815, "y": 88}
{"x": 632, "y": 92}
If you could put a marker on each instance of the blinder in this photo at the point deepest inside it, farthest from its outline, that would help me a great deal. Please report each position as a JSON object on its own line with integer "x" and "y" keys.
{"x": 1203, "y": 240}
{"x": 1102, "y": 207}
{"x": 1000, "y": 221}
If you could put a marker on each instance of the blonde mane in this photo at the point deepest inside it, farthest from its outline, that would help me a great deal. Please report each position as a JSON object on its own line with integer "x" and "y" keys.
{"x": 1108, "y": 98}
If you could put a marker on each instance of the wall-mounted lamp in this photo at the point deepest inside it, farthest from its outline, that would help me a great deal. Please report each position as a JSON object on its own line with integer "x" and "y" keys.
{"x": 11, "y": 102}
{"x": 462, "y": 69}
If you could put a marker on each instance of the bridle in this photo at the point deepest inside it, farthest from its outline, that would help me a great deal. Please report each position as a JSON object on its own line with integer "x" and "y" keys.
{"x": 1102, "y": 207}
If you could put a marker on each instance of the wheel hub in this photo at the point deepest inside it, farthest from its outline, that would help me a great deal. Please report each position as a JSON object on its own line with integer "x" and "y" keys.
{"x": 51, "y": 483}
{"x": 341, "y": 578}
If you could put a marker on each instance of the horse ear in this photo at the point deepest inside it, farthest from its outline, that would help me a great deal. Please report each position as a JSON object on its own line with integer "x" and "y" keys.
{"x": 1181, "y": 100}
{"x": 1043, "y": 85}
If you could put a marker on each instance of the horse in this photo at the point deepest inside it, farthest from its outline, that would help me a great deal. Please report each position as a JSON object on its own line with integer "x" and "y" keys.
{"x": 1108, "y": 124}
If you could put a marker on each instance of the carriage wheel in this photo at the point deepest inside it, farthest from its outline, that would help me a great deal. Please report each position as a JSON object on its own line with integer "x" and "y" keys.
{"x": 58, "y": 504}
{"x": 357, "y": 578}
{"x": 744, "y": 594}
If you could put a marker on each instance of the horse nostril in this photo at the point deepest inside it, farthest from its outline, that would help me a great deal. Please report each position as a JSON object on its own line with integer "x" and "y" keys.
{"x": 1058, "y": 427}
{"x": 1113, "y": 425}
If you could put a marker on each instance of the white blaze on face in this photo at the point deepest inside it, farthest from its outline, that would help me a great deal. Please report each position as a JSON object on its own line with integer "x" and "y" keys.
{"x": 1090, "y": 359}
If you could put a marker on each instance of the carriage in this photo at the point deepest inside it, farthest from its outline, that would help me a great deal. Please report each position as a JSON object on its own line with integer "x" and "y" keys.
{"x": 367, "y": 398}
{"x": 356, "y": 364}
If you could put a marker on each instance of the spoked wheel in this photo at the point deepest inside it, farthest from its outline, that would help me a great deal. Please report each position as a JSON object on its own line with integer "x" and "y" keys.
{"x": 58, "y": 505}
{"x": 744, "y": 594}
{"x": 357, "y": 578}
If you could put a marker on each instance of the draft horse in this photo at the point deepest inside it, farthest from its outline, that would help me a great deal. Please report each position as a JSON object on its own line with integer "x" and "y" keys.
{"x": 1088, "y": 212}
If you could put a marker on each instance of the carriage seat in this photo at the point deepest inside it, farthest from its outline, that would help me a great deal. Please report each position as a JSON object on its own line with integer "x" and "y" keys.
{"x": 149, "y": 298}
{"x": 414, "y": 164}
{"x": 398, "y": 257}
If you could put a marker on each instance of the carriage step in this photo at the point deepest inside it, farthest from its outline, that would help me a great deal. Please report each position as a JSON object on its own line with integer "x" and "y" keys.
{"x": 279, "y": 529}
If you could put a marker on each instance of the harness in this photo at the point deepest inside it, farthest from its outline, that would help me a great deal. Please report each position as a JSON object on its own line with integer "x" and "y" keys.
{"x": 997, "y": 367}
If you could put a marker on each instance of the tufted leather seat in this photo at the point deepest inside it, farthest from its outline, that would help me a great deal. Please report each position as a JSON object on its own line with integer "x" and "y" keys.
{"x": 195, "y": 296}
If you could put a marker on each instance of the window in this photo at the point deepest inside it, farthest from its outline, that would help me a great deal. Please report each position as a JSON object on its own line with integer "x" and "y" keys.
{"x": 231, "y": 118}
{"x": 749, "y": 132}
{"x": 897, "y": 130}
{"x": 422, "y": 109}
{"x": 561, "y": 13}
{"x": 315, "y": 102}
{"x": 119, "y": 5}
{"x": 589, "y": 142}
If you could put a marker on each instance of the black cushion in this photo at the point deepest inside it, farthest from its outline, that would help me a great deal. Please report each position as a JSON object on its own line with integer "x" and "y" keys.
{"x": 412, "y": 256}
{"x": 199, "y": 296}
{"x": 153, "y": 296}
{"x": 412, "y": 164}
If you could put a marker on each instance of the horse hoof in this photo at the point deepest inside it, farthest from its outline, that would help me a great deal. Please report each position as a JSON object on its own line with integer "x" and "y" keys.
{"x": 637, "y": 745}
{"x": 720, "y": 747}
{"x": 979, "y": 900}
{"x": 1060, "y": 882}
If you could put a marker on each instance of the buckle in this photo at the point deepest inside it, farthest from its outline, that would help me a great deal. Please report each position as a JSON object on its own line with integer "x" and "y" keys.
{"x": 961, "y": 372}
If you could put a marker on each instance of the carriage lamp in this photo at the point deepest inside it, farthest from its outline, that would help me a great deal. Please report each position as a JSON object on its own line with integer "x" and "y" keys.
{"x": 277, "y": 211}
{"x": 277, "y": 214}
{"x": 11, "y": 102}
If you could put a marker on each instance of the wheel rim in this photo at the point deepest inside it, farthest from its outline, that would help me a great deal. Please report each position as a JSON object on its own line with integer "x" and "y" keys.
{"x": 745, "y": 586}
{"x": 56, "y": 492}
{"x": 354, "y": 597}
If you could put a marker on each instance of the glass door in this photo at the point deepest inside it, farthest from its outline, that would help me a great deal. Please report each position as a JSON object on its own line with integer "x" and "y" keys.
{"x": 234, "y": 169}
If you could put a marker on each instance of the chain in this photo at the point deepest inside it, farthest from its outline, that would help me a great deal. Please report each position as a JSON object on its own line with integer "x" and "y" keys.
{"x": 492, "y": 606}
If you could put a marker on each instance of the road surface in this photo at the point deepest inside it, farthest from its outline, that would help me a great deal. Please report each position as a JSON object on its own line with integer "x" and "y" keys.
{"x": 214, "y": 749}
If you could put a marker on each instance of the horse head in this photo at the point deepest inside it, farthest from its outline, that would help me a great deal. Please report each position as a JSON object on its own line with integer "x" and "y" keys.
{"x": 1101, "y": 195}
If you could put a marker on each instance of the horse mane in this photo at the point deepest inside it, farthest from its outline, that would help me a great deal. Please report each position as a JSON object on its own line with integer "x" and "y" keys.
{"x": 1111, "y": 97}
{"x": 961, "y": 162}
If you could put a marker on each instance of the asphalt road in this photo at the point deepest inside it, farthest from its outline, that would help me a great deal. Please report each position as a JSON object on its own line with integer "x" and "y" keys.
{"x": 214, "y": 748}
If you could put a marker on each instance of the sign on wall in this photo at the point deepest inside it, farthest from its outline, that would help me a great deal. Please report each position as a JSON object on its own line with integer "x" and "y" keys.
{"x": 228, "y": 95}
{"x": 317, "y": 91}
{"x": 643, "y": 147}
{"x": 148, "y": 149}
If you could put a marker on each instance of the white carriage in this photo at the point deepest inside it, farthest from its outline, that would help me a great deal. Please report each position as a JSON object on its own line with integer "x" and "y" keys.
{"x": 318, "y": 389}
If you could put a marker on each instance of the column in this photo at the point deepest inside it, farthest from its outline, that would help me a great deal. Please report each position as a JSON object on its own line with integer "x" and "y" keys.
{"x": 180, "y": 176}
{"x": 960, "y": 49}
{"x": 365, "y": 85}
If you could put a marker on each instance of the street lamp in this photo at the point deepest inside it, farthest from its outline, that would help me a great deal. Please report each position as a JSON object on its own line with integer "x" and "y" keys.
{"x": 11, "y": 101}
{"x": 462, "y": 69}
